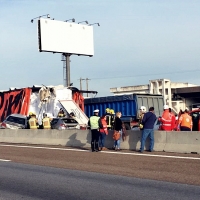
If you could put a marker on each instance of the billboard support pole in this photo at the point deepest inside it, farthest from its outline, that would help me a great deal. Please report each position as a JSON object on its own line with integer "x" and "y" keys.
{"x": 67, "y": 56}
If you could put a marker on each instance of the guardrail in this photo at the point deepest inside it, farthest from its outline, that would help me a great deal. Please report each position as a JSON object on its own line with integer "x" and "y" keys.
{"x": 180, "y": 142}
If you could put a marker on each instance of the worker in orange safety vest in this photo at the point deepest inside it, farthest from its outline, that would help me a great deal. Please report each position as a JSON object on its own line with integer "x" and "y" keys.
{"x": 185, "y": 122}
{"x": 167, "y": 120}
{"x": 173, "y": 120}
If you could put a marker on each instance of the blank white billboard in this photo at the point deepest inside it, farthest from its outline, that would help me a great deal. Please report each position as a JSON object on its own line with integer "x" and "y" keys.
{"x": 64, "y": 37}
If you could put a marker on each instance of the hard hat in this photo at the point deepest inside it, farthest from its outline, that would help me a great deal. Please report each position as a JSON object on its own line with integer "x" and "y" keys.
{"x": 143, "y": 108}
{"x": 166, "y": 107}
{"x": 33, "y": 114}
{"x": 96, "y": 111}
{"x": 112, "y": 111}
{"x": 141, "y": 126}
{"x": 30, "y": 113}
{"x": 107, "y": 110}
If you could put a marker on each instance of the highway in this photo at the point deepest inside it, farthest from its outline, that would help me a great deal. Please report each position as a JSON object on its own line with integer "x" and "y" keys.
{"x": 55, "y": 172}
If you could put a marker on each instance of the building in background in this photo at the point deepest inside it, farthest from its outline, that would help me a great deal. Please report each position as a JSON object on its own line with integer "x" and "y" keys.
{"x": 176, "y": 95}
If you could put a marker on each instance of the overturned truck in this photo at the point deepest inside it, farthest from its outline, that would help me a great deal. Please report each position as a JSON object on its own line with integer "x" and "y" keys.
{"x": 43, "y": 99}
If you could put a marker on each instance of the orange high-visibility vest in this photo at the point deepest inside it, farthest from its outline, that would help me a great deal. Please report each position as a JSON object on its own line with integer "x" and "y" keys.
{"x": 173, "y": 121}
{"x": 166, "y": 121}
{"x": 104, "y": 129}
{"x": 185, "y": 120}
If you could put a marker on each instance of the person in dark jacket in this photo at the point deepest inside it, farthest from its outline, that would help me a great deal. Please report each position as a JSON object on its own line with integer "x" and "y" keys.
{"x": 95, "y": 124}
{"x": 108, "y": 118}
{"x": 61, "y": 113}
{"x": 118, "y": 127}
{"x": 148, "y": 122}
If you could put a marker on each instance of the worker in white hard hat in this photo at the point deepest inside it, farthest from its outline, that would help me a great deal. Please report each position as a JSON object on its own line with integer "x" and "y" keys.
{"x": 95, "y": 124}
{"x": 142, "y": 111}
{"x": 165, "y": 107}
{"x": 166, "y": 119}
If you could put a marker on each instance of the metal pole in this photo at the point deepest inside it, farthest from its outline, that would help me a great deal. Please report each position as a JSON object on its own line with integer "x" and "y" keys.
{"x": 63, "y": 58}
{"x": 80, "y": 83}
{"x": 67, "y": 69}
{"x": 81, "y": 79}
{"x": 87, "y": 84}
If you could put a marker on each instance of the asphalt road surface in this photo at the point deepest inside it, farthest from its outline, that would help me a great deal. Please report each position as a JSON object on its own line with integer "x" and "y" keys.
{"x": 35, "y": 172}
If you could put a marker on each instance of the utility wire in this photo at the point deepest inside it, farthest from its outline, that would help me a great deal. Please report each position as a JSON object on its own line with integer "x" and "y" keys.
{"x": 141, "y": 75}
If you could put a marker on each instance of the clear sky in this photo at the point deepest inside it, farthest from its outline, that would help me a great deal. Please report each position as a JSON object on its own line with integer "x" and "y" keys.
{"x": 137, "y": 41}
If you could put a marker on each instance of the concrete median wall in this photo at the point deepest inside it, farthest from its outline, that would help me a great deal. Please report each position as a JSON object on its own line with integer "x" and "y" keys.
{"x": 182, "y": 142}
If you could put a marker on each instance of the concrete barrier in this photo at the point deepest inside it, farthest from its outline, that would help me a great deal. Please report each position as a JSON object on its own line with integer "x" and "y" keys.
{"x": 133, "y": 139}
{"x": 82, "y": 139}
{"x": 182, "y": 142}
{"x": 48, "y": 137}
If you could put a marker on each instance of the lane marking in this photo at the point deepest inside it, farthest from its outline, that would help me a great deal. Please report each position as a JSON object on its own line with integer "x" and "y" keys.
{"x": 2, "y": 160}
{"x": 153, "y": 155}
{"x": 108, "y": 152}
{"x": 48, "y": 148}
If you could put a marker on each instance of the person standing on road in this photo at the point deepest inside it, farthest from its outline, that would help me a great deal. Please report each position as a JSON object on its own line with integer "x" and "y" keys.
{"x": 173, "y": 120}
{"x": 185, "y": 122}
{"x": 166, "y": 119}
{"x": 46, "y": 122}
{"x": 108, "y": 118}
{"x": 112, "y": 114}
{"x": 123, "y": 131}
{"x": 148, "y": 122}
{"x": 103, "y": 133}
{"x": 72, "y": 115}
{"x": 177, "y": 120}
{"x": 33, "y": 122}
{"x": 29, "y": 116}
{"x": 118, "y": 127}
{"x": 141, "y": 115}
{"x": 61, "y": 113}
{"x": 95, "y": 123}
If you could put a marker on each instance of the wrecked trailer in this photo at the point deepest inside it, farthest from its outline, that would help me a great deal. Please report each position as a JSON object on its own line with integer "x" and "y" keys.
{"x": 40, "y": 100}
